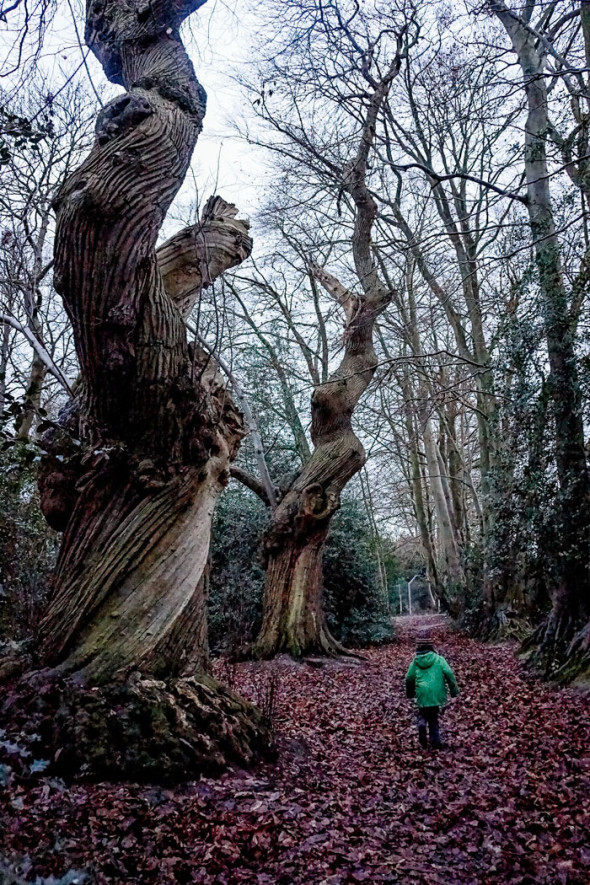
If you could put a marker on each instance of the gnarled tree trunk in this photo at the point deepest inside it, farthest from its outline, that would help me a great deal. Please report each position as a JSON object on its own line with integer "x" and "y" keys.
{"x": 293, "y": 617}
{"x": 145, "y": 448}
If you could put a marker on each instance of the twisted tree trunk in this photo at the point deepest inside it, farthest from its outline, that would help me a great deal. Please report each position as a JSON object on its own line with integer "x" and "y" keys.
{"x": 143, "y": 451}
{"x": 293, "y": 617}
{"x": 293, "y": 620}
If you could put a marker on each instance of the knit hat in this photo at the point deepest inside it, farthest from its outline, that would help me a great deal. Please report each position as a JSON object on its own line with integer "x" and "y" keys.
{"x": 424, "y": 640}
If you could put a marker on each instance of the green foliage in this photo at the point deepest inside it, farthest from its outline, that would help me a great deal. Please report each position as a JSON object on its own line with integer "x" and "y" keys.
{"x": 237, "y": 577}
{"x": 356, "y": 608}
{"x": 28, "y": 547}
{"x": 522, "y": 553}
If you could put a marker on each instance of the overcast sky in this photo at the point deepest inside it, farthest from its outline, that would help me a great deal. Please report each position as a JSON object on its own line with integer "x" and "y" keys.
{"x": 223, "y": 162}
{"x": 219, "y": 40}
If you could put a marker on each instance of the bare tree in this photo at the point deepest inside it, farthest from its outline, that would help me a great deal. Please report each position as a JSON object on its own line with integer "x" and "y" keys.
{"x": 33, "y": 170}
{"x": 141, "y": 454}
{"x": 372, "y": 48}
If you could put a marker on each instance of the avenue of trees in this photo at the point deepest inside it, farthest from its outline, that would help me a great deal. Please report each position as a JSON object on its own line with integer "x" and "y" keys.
{"x": 249, "y": 434}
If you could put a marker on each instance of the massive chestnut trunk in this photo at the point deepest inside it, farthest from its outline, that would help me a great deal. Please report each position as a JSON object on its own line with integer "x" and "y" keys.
{"x": 142, "y": 452}
{"x": 293, "y": 619}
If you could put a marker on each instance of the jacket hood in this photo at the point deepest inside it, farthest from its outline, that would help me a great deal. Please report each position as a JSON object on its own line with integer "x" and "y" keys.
{"x": 426, "y": 660}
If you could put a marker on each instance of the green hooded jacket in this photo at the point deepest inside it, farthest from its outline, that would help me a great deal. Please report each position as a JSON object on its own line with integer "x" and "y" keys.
{"x": 427, "y": 680}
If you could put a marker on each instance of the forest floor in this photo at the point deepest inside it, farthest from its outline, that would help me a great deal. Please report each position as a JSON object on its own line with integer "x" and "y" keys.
{"x": 352, "y": 797}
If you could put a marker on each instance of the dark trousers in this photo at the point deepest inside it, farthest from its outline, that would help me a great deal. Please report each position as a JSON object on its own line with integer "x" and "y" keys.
{"x": 428, "y": 720}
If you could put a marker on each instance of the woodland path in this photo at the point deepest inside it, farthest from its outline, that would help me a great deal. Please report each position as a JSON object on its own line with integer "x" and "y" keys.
{"x": 352, "y": 797}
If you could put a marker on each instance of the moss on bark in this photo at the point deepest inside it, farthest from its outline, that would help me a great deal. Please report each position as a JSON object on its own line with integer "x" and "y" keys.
{"x": 143, "y": 730}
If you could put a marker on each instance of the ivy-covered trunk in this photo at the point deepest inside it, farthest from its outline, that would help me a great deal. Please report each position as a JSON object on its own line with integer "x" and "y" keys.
{"x": 133, "y": 470}
{"x": 571, "y": 598}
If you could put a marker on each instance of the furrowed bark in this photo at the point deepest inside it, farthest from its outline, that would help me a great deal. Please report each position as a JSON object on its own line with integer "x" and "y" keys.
{"x": 160, "y": 428}
{"x": 293, "y": 617}
{"x": 293, "y": 620}
{"x": 155, "y": 428}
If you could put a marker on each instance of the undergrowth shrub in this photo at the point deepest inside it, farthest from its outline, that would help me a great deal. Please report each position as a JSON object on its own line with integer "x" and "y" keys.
{"x": 28, "y": 547}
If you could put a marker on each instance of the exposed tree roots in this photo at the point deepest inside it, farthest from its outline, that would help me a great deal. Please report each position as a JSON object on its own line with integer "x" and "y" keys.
{"x": 559, "y": 650}
{"x": 577, "y": 665}
{"x": 504, "y": 623}
{"x": 140, "y": 730}
{"x": 298, "y": 644}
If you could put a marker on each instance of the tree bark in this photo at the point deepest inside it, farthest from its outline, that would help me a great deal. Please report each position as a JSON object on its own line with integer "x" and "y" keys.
{"x": 293, "y": 617}
{"x": 32, "y": 401}
{"x": 377, "y": 540}
{"x": 571, "y": 599}
{"x": 419, "y": 505}
{"x": 452, "y": 569}
{"x": 154, "y": 427}
{"x": 416, "y": 482}
{"x": 34, "y": 391}
{"x": 4, "y": 352}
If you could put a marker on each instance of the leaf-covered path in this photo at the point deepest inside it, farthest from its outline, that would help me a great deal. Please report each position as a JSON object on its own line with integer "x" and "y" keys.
{"x": 352, "y": 797}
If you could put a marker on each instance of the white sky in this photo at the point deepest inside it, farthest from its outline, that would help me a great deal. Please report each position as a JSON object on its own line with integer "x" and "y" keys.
{"x": 219, "y": 42}
{"x": 223, "y": 162}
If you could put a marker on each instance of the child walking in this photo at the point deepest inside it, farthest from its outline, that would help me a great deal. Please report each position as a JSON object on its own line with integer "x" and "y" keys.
{"x": 427, "y": 680}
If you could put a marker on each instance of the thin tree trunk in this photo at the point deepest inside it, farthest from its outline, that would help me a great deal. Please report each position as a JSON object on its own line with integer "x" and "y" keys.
{"x": 448, "y": 540}
{"x": 34, "y": 391}
{"x": 418, "y": 488}
{"x": 32, "y": 401}
{"x": 268, "y": 491}
{"x": 4, "y": 351}
{"x": 291, "y": 413}
{"x": 478, "y": 353}
{"x": 456, "y": 468}
{"x": 436, "y": 474}
{"x": 370, "y": 511}
{"x": 418, "y": 501}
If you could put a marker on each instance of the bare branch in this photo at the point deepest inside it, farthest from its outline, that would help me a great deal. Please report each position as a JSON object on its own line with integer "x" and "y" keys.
{"x": 41, "y": 352}
{"x": 347, "y": 299}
